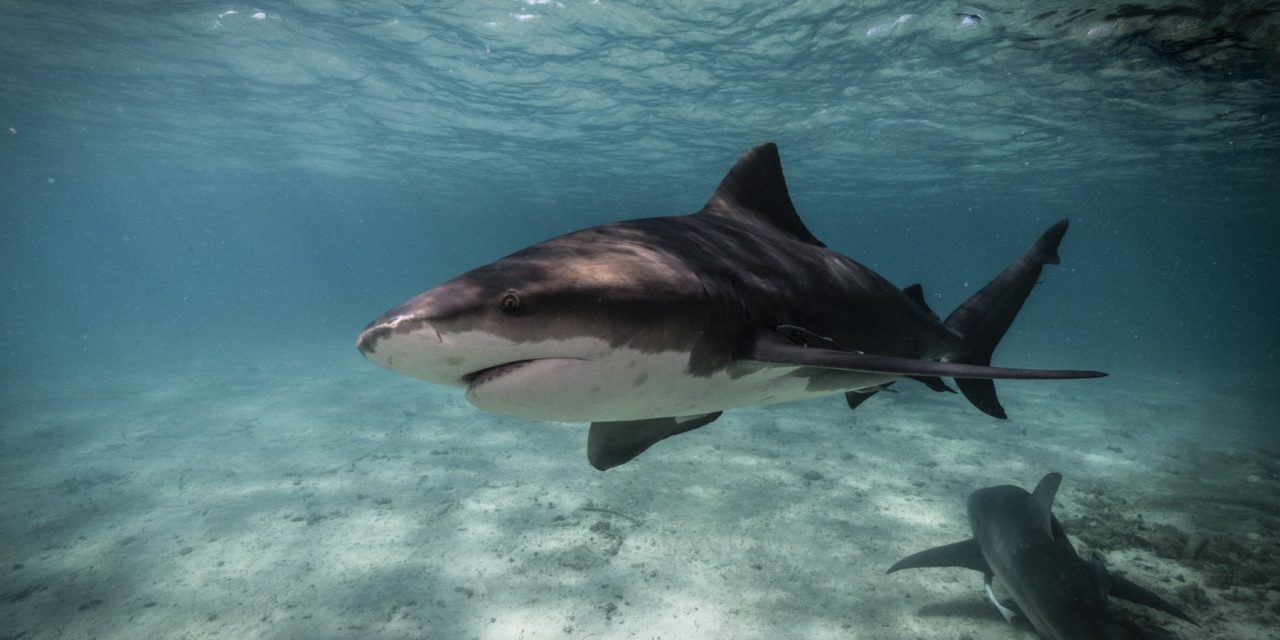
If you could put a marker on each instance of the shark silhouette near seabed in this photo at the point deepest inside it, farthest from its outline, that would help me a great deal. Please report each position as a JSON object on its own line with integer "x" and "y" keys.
{"x": 1017, "y": 539}
{"x": 650, "y": 328}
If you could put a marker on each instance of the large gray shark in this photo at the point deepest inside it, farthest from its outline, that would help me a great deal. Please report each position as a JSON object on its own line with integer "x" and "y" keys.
{"x": 649, "y": 328}
{"x": 1017, "y": 539}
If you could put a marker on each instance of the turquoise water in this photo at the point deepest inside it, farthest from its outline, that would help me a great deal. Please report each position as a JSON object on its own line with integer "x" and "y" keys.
{"x": 194, "y": 186}
{"x": 174, "y": 178}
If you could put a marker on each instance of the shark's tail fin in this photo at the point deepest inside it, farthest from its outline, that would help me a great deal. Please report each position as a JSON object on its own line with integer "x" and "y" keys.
{"x": 983, "y": 319}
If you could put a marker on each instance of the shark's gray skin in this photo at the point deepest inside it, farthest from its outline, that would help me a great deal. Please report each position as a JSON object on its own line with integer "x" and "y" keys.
{"x": 649, "y": 328}
{"x": 1017, "y": 539}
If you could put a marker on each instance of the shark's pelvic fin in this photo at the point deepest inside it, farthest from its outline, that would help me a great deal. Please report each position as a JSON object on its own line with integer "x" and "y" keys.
{"x": 1008, "y": 613}
{"x": 964, "y": 554}
{"x": 610, "y": 444}
{"x": 755, "y": 189}
{"x": 856, "y": 398}
{"x": 985, "y": 317}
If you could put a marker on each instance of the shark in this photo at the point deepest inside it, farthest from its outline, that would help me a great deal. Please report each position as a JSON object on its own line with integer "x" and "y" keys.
{"x": 1017, "y": 539}
{"x": 653, "y": 327}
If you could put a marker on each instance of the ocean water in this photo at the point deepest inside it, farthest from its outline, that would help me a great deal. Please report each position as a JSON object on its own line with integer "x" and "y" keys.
{"x": 201, "y": 204}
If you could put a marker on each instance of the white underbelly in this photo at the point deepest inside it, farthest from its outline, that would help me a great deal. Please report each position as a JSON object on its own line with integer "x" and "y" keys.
{"x": 632, "y": 385}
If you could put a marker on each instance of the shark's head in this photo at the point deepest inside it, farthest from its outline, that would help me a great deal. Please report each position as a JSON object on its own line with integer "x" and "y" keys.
{"x": 541, "y": 328}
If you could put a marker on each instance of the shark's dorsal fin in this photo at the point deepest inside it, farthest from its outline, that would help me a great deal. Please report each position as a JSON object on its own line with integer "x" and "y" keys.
{"x": 755, "y": 189}
{"x": 1043, "y": 494}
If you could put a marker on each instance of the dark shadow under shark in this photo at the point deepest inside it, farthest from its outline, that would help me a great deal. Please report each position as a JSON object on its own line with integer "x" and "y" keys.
{"x": 1017, "y": 539}
{"x": 649, "y": 328}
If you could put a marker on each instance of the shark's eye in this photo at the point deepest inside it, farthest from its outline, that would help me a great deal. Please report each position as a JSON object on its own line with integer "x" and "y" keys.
{"x": 510, "y": 302}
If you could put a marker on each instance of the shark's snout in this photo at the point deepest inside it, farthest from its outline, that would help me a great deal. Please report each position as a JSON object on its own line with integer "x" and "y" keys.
{"x": 367, "y": 341}
{"x": 392, "y": 324}
{"x": 411, "y": 344}
{"x": 420, "y": 320}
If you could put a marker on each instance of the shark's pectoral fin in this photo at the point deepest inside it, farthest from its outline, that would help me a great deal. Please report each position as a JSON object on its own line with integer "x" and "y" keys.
{"x": 610, "y": 444}
{"x": 966, "y": 555}
{"x": 771, "y": 347}
{"x": 1123, "y": 588}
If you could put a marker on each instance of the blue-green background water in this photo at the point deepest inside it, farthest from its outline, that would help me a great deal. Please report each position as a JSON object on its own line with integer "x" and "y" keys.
{"x": 187, "y": 177}
{"x": 202, "y": 203}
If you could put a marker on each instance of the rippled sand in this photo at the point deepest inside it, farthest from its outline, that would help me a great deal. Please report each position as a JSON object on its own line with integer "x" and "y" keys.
{"x": 323, "y": 499}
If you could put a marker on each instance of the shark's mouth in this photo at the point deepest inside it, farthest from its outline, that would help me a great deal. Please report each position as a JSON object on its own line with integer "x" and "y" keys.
{"x": 477, "y": 378}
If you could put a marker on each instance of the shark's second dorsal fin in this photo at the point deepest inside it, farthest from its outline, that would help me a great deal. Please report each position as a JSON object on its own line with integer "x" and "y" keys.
{"x": 755, "y": 188}
{"x": 916, "y": 293}
{"x": 1043, "y": 494}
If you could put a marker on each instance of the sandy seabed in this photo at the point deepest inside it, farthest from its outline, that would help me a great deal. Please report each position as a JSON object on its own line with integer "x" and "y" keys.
{"x": 317, "y": 498}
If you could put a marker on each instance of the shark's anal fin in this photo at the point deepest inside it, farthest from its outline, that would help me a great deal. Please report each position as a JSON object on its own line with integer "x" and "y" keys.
{"x": 933, "y": 383}
{"x": 770, "y": 347}
{"x": 966, "y": 555}
{"x": 991, "y": 595}
{"x": 610, "y": 444}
